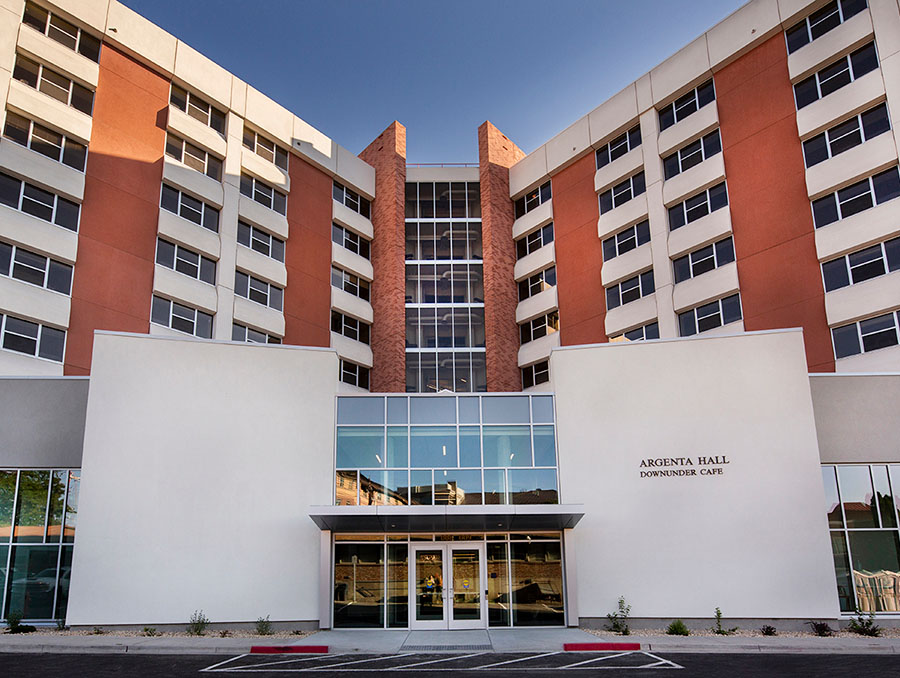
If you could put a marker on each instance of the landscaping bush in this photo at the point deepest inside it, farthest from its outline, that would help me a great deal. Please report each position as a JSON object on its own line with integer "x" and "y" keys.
{"x": 718, "y": 629}
{"x": 864, "y": 625}
{"x": 821, "y": 628}
{"x": 618, "y": 620}
{"x": 677, "y": 628}
{"x": 14, "y": 623}
{"x": 150, "y": 632}
{"x": 264, "y": 626}
{"x": 769, "y": 630}
{"x": 197, "y": 624}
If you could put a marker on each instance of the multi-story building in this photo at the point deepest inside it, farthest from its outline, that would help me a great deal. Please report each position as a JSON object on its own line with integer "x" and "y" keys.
{"x": 745, "y": 184}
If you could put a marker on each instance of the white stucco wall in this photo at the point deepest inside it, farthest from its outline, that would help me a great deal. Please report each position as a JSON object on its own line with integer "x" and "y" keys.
{"x": 752, "y": 540}
{"x": 200, "y": 460}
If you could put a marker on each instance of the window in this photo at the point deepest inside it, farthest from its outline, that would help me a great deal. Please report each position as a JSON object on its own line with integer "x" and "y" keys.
{"x": 630, "y": 290}
{"x": 197, "y": 108}
{"x": 45, "y": 141}
{"x": 181, "y": 318}
{"x": 698, "y": 206}
{"x": 35, "y": 269}
{"x": 539, "y": 373}
{"x": 856, "y": 197}
{"x": 820, "y": 22}
{"x": 185, "y": 261}
{"x": 845, "y": 136}
{"x": 193, "y": 156}
{"x": 38, "y": 203}
{"x": 619, "y": 146}
{"x": 686, "y": 105}
{"x": 692, "y": 154}
{"x": 710, "y": 316}
{"x": 190, "y": 208}
{"x": 355, "y": 375}
{"x": 53, "y": 84}
{"x": 352, "y": 241}
{"x": 539, "y": 327}
{"x": 351, "y": 199}
{"x": 533, "y": 199}
{"x": 649, "y": 331}
{"x": 703, "y": 260}
{"x": 865, "y": 264}
{"x": 622, "y": 193}
{"x": 834, "y": 76}
{"x": 263, "y": 194}
{"x": 251, "y": 336}
{"x": 349, "y": 327}
{"x": 534, "y": 241}
{"x": 260, "y": 241}
{"x": 537, "y": 283}
{"x": 865, "y": 335}
{"x": 258, "y": 290}
{"x": 61, "y": 31}
{"x": 265, "y": 148}
{"x": 350, "y": 283}
{"x": 627, "y": 240}
{"x": 24, "y": 336}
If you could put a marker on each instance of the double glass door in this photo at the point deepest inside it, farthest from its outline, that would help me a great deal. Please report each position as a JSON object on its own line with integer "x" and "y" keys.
{"x": 447, "y": 586}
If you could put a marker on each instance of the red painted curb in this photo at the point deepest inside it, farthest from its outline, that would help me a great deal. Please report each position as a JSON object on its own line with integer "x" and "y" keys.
{"x": 289, "y": 649}
{"x": 581, "y": 647}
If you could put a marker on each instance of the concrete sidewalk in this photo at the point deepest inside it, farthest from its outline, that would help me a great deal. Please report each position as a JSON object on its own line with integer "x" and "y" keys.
{"x": 377, "y": 641}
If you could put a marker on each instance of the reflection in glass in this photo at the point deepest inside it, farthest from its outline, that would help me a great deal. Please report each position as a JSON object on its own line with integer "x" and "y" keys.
{"x": 494, "y": 486}
{"x": 466, "y": 584}
{"x": 396, "y": 410}
{"x": 32, "y": 580}
{"x": 542, "y": 409}
{"x": 358, "y": 585}
{"x": 469, "y": 446}
{"x": 883, "y": 493}
{"x": 895, "y": 483}
{"x": 7, "y": 499}
{"x": 468, "y": 411}
{"x": 424, "y": 410}
{"x": 31, "y": 506}
{"x": 420, "y": 487}
{"x": 876, "y": 570}
{"x": 537, "y": 592}
{"x": 397, "y": 444}
{"x": 397, "y": 586}
{"x": 65, "y": 575}
{"x": 533, "y": 486}
{"x": 372, "y": 490}
{"x": 55, "y": 508}
{"x": 857, "y": 496}
{"x": 345, "y": 488}
{"x": 507, "y": 445}
{"x": 452, "y": 486}
{"x": 842, "y": 571}
{"x": 397, "y": 487}
{"x": 832, "y": 503}
{"x": 432, "y": 446}
{"x": 505, "y": 410}
{"x": 360, "y": 446}
{"x": 544, "y": 446}
{"x": 429, "y": 585}
{"x": 369, "y": 410}
{"x": 497, "y": 585}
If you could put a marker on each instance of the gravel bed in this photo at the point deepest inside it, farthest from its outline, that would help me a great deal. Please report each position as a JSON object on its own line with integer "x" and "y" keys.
{"x": 216, "y": 633}
{"x": 740, "y": 633}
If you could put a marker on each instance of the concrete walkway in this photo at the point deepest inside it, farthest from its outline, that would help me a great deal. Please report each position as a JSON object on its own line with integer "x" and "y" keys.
{"x": 390, "y": 641}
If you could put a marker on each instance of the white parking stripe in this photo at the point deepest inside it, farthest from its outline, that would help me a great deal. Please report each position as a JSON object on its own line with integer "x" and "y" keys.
{"x": 362, "y": 661}
{"x": 437, "y": 661}
{"x": 595, "y": 659}
{"x": 666, "y": 661}
{"x": 222, "y": 663}
{"x": 513, "y": 661}
{"x": 292, "y": 660}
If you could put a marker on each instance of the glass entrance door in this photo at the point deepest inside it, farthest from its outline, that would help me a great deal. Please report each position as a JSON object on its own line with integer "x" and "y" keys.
{"x": 445, "y": 586}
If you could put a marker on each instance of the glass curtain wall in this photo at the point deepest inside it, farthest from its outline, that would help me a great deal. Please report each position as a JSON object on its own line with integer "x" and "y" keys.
{"x": 862, "y": 503}
{"x": 444, "y": 288}
{"x": 402, "y": 450}
{"x": 524, "y": 578}
{"x": 38, "y": 513}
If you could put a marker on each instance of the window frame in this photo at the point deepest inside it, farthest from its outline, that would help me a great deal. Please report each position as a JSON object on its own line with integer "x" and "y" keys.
{"x": 350, "y": 327}
{"x": 38, "y": 337}
{"x": 540, "y": 326}
{"x": 359, "y": 287}
{"x": 889, "y": 264}
{"x": 237, "y": 328}
{"x": 206, "y": 208}
{"x": 533, "y": 199}
{"x": 807, "y": 24}
{"x": 274, "y": 246}
{"x": 860, "y": 129}
{"x": 351, "y": 199}
{"x": 707, "y": 201}
{"x": 537, "y": 373}
{"x": 39, "y": 79}
{"x": 54, "y": 208}
{"x": 65, "y": 140}
{"x": 80, "y": 48}
{"x": 628, "y": 140}
{"x": 215, "y": 117}
{"x": 535, "y": 240}
{"x": 861, "y": 337}
{"x": 720, "y": 313}
{"x": 49, "y": 263}
{"x": 537, "y": 283}
{"x": 719, "y": 258}
{"x": 703, "y": 151}
{"x": 834, "y": 197}
{"x": 356, "y": 375}
{"x": 273, "y": 294}
{"x": 692, "y": 96}
{"x": 171, "y": 314}
{"x": 354, "y": 239}
{"x": 818, "y": 80}
{"x": 212, "y": 164}
{"x": 633, "y": 186}
{"x": 643, "y": 282}
{"x": 266, "y": 195}
{"x": 651, "y": 328}
{"x": 251, "y": 141}
{"x": 203, "y": 262}
{"x": 639, "y": 232}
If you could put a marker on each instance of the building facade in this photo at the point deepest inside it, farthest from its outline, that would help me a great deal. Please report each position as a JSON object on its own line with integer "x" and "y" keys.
{"x": 746, "y": 184}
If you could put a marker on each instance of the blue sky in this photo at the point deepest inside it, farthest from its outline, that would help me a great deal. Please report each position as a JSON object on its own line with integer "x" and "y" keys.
{"x": 351, "y": 67}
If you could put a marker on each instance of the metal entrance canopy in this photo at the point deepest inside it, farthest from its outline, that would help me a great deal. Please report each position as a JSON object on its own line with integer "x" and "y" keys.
{"x": 447, "y": 518}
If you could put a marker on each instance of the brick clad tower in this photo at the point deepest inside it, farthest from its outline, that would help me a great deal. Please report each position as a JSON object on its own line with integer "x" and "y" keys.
{"x": 496, "y": 154}
{"x": 387, "y": 154}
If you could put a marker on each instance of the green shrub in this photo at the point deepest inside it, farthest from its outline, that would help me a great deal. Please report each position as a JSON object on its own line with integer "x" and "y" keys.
{"x": 677, "y": 628}
{"x": 264, "y": 626}
{"x": 61, "y": 625}
{"x": 97, "y": 631}
{"x": 197, "y": 624}
{"x": 864, "y": 625}
{"x": 769, "y": 630}
{"x": 150, "y": 632}
{"x": 618, "y": 620}
{"x": 821, "y": 628}
{"x": 224, "y": 633}
{"x": 718, "y": 629}
{"x": 14, "y": 623}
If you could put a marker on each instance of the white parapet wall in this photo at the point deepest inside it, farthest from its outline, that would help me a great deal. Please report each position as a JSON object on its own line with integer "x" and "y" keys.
{"x": 200, "y": 462}
{"x": 705, "y": 488}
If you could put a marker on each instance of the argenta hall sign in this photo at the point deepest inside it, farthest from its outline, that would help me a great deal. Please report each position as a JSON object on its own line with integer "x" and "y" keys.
{"x": 674, "y": 467}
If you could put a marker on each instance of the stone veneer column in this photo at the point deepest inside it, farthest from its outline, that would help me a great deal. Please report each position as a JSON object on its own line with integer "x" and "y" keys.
{"x": 387, "y": 154}
{"x": 496, "y": 154}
